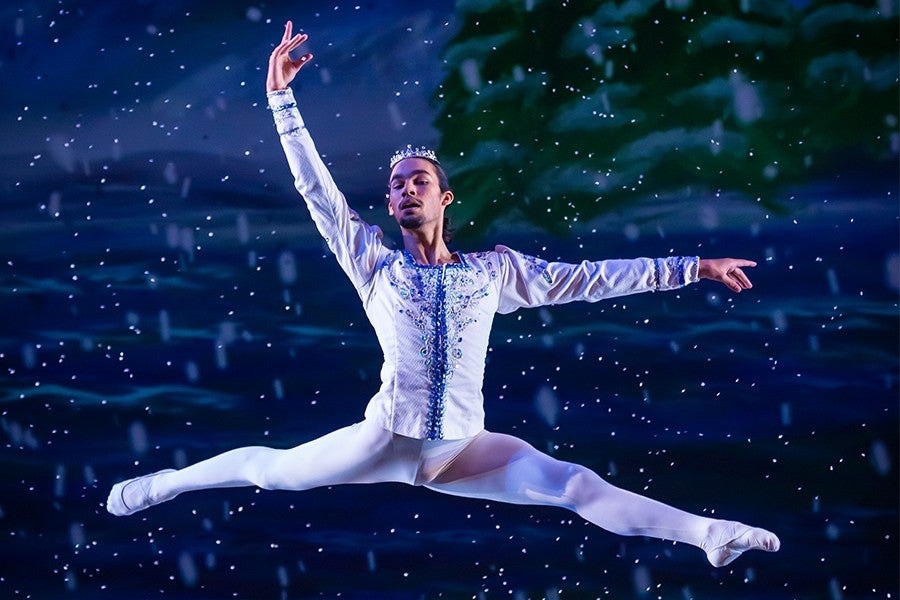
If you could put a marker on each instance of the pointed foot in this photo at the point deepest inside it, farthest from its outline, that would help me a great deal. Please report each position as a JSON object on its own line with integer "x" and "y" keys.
{"x": 729, "y": 539}
{"x": 132, "y": 495}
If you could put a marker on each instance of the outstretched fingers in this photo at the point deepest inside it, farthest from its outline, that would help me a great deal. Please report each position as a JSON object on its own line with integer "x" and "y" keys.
{"x": 737, "y": 280}
{"x": 729, "y": 271}
{"x": 295, "y": 42}
{"x": 740, "y": 279}
{"x": 289, "y": 42}
{"x": 282, "y": 68}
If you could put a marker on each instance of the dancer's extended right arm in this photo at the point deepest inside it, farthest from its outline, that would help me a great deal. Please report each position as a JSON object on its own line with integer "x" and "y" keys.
{"x": 356, "y": 245}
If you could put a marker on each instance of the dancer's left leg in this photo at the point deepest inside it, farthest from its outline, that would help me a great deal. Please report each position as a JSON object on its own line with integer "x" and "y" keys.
{"x": 502, "y": 467}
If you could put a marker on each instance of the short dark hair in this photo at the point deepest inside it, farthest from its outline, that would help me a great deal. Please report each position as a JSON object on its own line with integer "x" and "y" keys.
{"x": 444, "y": 186}
{"x": 443, "y": 180}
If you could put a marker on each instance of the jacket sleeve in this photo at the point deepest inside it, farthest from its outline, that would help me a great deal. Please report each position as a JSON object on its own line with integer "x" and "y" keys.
{"x": 526, "y": 281}
{"x": 356, "y": 244}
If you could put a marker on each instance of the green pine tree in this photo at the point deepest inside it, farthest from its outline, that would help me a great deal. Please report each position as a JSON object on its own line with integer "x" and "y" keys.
{"x": 560, "y": 112}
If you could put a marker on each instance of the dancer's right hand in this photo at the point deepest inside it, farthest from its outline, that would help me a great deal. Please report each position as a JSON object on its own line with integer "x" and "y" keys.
{"x": 283, "y": 69}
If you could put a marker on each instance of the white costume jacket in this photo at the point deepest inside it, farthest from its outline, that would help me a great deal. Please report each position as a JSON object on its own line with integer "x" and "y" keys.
{"x": 433, "y": 322}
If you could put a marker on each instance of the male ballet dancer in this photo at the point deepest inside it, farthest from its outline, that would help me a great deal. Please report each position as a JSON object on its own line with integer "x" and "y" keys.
{"x": 432, "y": 311}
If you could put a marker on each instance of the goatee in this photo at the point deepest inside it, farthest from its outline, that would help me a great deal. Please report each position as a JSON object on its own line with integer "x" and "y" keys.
{"x": 411, "y": 221}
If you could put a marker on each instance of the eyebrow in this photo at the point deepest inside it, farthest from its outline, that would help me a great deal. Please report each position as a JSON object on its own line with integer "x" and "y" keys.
{"x": 410, "y": 174}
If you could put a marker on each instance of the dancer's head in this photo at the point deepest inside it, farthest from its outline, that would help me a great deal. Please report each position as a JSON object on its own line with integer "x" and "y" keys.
{"x": 419, "y": 190}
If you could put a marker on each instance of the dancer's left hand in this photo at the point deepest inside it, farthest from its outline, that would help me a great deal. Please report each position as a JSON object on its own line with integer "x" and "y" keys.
{"x": 727, "y": 271}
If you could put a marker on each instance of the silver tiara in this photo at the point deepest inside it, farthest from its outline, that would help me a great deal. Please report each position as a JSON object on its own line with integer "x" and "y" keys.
{"x": 410, "y": 152}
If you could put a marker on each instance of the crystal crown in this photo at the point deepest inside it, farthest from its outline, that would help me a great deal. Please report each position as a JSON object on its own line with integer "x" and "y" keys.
{"x": 410, "y": 152}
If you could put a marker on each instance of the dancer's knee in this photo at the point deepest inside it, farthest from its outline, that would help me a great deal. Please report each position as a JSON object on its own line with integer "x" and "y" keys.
{"x": 582, "y": 487}
{"x": 259, "y": 466}
{"x": 564, "y": 484}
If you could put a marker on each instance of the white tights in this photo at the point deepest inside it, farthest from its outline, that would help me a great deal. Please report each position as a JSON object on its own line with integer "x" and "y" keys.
{"x": 491, "y": 466}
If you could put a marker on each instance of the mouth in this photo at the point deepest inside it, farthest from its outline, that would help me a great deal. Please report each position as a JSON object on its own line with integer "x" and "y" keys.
{"x": 409, "y": 204}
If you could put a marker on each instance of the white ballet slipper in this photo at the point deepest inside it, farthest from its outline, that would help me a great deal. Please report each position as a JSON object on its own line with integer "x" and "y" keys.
{"x": 138, "y": 499}
{"x": 733, "y": 539}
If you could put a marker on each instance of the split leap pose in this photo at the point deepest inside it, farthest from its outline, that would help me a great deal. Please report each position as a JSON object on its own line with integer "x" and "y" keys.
{"x": 432, "y": 311}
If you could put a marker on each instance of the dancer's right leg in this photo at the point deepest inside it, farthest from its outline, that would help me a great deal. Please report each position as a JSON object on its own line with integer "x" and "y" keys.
{"x": 360, "y": 453}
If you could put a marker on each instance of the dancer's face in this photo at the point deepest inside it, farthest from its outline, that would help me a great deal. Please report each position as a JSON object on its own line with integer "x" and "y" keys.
{"x": 415, "y": 198}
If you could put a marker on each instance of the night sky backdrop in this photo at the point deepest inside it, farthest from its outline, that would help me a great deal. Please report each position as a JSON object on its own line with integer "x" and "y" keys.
{"x": 165, "y": 296}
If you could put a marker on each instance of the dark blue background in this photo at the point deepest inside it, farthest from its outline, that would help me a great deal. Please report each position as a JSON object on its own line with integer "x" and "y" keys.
{"x": 149, "y": 321}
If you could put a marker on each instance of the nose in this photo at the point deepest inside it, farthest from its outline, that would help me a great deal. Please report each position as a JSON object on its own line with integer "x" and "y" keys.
{"x": 409, "y": 189}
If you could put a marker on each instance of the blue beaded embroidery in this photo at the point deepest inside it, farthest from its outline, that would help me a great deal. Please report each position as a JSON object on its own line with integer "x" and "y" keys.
{"x": 443, "y": 296}
{"x": 538, "y": 266}
{"x": 678, "y": 264}
{"x": 282, "y": 113}
{"x": 682, "y": 270}
{"x": 656, "y": 277}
